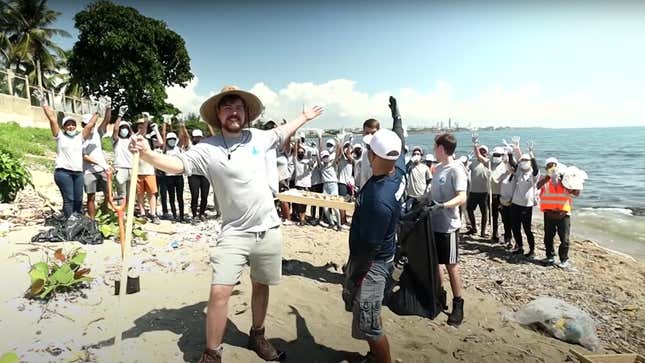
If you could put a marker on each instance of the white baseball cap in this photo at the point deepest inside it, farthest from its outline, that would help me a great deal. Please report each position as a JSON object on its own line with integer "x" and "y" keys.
{"x": 498, "y": 150}
{"x": 430, "y": 157}
{"x": 417, "y": 148}
{"x": 197, "y": 132}
{"x": 171, "y": 135}
{"x": 124, "y": 123}
{"x": 324, "y": 154}
{"x": 357, "y": 146}
{"x": 483, "y": 147}
{"x": 550, "y": 160}
{"x": 330, "y": 141}
{"x": 386, "y": 144}
{"x": 525, "y": 157}
{"x": 68, "y": 118}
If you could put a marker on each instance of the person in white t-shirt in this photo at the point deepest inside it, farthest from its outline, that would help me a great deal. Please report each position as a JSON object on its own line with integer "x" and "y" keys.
{"x": 95, "y": 167}
{"x": 234, "y": 163}
{"x": 68, "y": 167}
{"x": 370, "y": 126}
{"x": 121, "y": 134}
{"x": 146, "y": 179}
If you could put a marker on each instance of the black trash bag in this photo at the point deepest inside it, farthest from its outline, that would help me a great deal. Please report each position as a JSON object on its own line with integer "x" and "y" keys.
{"x": 74, "y": 226}
{"x": 418, "y": 291}
{"x": 77, "y": 227}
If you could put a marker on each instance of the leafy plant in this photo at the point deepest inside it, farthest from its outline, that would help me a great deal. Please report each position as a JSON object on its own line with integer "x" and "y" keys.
{"x": 13, "y": 177}
{"x": 62, "y": 274}
{"x": 109, "y": 225}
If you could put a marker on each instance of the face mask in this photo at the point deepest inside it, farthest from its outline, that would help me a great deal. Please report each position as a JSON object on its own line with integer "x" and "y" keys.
{"x": 416, "y": 158}
{"x": 171, "y": 143}
{"x": 71, "y": 133}
{"x": 525, "y": 165}
{"x": 497, "y": 159}
{"x": 124, "y": 133}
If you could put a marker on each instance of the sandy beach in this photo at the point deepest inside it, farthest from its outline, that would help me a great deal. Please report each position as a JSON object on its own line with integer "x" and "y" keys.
{"x": 164, "y": 322}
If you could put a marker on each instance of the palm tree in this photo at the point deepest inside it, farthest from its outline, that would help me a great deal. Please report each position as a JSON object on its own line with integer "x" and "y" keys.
{"x": 28, "y": 33}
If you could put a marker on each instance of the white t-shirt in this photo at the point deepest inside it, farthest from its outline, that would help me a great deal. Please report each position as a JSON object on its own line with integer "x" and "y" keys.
{"x": 417, "y": 182}
{"x": 448, "y": 180}
{"x": 345, "y": 170}
{"x": 173, "y": 152}
{"x": 303, "y": 171}
{"x": 240, "y": 185}
{"x": 525, "y": 192}
{"x": 272, "y": 170}
{"x": 328, "y": 171}
{"x": 122, "y": 154}
{"x": 69, "y": 151}
{"x": 92, "y": 147}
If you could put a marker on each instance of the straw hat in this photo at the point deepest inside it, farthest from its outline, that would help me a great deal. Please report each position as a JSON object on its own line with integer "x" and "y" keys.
{"x": 253, "y": 105}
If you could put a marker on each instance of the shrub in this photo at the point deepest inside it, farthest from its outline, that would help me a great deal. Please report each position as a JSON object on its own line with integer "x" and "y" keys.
{"x": 13, "y": 177}
{"x": 63, "y": 274}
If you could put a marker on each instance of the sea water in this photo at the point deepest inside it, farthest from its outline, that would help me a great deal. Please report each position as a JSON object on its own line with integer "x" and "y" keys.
{"x": 611, "y": 208}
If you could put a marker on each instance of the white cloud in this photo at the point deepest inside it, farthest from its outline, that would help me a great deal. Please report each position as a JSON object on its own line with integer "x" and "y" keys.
{"x": 347, "y": 106}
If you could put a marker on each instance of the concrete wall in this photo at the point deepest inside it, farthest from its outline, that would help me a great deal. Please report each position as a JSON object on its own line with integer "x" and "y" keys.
{"x": 18, "y": 109}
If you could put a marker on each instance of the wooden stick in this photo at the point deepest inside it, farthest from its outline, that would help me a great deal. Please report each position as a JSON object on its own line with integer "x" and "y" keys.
{"x": 125, "y": 244}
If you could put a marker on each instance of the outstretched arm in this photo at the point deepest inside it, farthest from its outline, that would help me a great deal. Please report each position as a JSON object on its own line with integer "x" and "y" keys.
{"x": 87, "y": 130}
{"x": 305, "y": 116}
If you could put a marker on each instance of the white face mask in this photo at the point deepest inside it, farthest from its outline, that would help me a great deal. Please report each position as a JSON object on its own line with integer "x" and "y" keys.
{"x": 124, "y": 133}
{"x": 71, "y": 133}
{"x": 525, "y": 165}
{"x": 416, "y": 158}
{"x": 171, "y": 143}
{"x": 497, "y": 159}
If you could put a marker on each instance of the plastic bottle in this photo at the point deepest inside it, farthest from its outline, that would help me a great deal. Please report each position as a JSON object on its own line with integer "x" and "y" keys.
{"x": 399, "y": 265}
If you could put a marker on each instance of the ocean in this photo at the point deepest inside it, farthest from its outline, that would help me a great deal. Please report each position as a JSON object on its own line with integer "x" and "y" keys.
{"x": 611, "y": 208}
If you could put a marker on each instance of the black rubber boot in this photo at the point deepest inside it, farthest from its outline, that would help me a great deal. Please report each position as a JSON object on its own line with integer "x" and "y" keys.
{"x": 457, "y": 315}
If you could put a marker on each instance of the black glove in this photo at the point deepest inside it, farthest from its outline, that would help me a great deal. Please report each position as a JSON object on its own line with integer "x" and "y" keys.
{"x": 394, "y": 108}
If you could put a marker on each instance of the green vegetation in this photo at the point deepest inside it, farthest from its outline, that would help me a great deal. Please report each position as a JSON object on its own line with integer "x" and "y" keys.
{"x": 19, "y": 140}
{"x": 141, "y": 57}
{"x": 9, "y": 358}
{"x": 109, "y": 225}
{"x": 13, "y": 177}
{"x": 62, "y": 274}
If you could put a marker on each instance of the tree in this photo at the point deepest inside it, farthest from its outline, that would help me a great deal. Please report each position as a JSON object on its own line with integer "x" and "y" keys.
{"x": 127, "y": 56}
{"x": 25, "y": 39}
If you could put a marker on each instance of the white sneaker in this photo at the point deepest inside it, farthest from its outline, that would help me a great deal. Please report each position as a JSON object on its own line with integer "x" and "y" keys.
{"x": 323, "y": 224}
{"x": 287, "y": 222}
{"x": 566, "y": 265}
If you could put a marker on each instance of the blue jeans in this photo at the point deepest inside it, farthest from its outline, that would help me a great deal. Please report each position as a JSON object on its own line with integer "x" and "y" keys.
{"x": 70, "y": 184}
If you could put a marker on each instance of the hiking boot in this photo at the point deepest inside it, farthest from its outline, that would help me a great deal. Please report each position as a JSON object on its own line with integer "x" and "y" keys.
{"x": 530, "y": 255}
{"x": 457, "y": 315}
{"x": 210, "y": 356}
{"x": 261, "y": 346}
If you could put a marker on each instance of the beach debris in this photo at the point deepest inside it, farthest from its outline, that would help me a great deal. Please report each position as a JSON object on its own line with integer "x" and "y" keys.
{"x": 561, "y": 320}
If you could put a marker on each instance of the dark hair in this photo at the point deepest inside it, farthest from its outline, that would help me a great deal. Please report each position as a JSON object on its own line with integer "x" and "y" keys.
{"x": 448, "y": 142}
{"x": 372, "y": 123}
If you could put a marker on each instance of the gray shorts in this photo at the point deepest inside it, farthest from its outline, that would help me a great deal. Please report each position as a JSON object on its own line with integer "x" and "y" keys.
{"x": 122, "y": 181}
{"x": 95, "y": 182}
{"x": 261, "y": 250}
{"x": 366, "y": 311}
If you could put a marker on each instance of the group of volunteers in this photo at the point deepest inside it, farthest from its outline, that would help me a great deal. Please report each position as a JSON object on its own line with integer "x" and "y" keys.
{"x": 81, "y": 164}
{"x": 247, "y": 166}
{"x": 507, "y": 182}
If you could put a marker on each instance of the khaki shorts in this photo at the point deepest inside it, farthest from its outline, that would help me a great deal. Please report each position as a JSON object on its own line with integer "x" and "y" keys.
{"x": 261, "y": 250}
{"x": 146, "y": 184}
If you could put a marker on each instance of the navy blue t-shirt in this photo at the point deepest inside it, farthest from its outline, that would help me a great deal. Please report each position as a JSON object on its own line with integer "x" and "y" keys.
{"x": 377, "y": 213}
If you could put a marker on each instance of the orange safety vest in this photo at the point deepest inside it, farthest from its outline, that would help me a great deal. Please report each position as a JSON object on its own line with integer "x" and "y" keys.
{"x": 555, "y": 197}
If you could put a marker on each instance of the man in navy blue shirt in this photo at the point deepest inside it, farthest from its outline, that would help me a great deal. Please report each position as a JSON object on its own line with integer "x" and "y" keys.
{"x": 372, "y": 243}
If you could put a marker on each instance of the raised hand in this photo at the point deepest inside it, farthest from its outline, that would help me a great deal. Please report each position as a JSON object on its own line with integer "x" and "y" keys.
{"x": 311, "y": 112}
{"x": 393, "y": 107}
{"x": 40, "y": 97}
{"x": 475, "y": 138}
{"x": 138, "y": 143}
{"x": 531, "y": 145}
{"x": 516, "y": 141}
{"x": 122, "y": 110}
{"x": 107, "y": 102}
{"x": 167, "y": 119}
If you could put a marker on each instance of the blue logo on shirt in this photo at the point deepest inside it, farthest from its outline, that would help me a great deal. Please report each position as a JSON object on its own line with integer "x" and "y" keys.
{"x": 442, "y": 180}
{"x": 255, "y": 151}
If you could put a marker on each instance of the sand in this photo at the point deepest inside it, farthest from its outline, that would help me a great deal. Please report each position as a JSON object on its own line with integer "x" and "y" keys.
{"x": 164, "y": 322}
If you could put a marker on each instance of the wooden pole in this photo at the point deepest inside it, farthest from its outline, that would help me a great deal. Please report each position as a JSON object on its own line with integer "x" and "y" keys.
{"x": 125, "y": 245}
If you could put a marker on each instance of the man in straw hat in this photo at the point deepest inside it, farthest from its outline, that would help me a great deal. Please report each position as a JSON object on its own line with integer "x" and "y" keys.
{"x": 250, "y": 222}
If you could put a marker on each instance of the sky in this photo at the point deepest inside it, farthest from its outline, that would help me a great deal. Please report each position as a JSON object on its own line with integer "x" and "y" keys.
{"x": 542, "y": 63}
